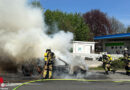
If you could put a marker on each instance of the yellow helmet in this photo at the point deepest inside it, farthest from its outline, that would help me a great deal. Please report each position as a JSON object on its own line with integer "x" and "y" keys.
{"x": 108, "y": 55}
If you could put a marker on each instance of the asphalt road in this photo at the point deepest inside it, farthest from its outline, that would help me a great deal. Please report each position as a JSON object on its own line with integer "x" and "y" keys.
{"x": 74, "y": 85}
{"x": 104, "y": 82}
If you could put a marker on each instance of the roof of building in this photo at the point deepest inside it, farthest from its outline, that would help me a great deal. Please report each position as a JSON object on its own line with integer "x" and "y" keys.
{"x": 124, "y": 35}
{"x": 85, "y": 42}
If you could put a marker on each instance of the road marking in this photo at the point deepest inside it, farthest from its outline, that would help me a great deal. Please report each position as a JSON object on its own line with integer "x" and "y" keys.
{"x": 19, "y": 85}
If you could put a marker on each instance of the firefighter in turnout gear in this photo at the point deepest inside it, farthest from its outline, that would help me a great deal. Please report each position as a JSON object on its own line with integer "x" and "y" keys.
{"x": 127, "y": 67}
{"x": 51, "y": 58}
{"x": 48, "y": 67}
{"x": 125, "y": 53}
{"x": 107, "y": 59}
{"x": 127, "y": 61}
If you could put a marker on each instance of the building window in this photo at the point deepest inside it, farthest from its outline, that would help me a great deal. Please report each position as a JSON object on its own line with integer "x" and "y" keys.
{"x": 79, "y": 49}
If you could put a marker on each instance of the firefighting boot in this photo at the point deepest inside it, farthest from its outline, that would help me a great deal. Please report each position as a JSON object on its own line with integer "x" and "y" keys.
{"x": 106, "y": 73}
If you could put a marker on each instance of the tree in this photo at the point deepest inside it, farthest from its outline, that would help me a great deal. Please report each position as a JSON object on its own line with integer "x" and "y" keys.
{"x": 36, "y": 4}
{"x": 128, "y": 29}
{"x": 81, "y": 31}
{"x": 97, "y": 22}
{"x": 116, "y": 26}
{"x": 67, "y": 22}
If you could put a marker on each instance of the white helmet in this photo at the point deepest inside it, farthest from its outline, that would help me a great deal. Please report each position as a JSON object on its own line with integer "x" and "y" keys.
{"x": 125, "y": 49}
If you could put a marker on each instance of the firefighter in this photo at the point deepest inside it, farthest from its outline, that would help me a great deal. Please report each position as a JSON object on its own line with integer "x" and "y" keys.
{"x": 48, "y": 67}
{"x": 127, "y": 61}
{"x": 45, "y": 68}
{"x": 125, "y": 53}
{"x": 107, "y": 59}
{"x": 51, "y": 59}
{"x": 127, "y": 67}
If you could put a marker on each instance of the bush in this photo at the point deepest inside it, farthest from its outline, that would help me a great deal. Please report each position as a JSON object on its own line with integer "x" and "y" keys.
{"x": 118, "y": 64}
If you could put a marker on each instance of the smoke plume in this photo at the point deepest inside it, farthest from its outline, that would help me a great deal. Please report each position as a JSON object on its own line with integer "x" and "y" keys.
{"x": 22, "y": 33}
{"x": 23, "y": 37}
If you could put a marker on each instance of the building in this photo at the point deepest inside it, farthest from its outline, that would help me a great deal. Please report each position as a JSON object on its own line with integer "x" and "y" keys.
{"x": 114, "y": 44}
{"x": 83, "y": 47}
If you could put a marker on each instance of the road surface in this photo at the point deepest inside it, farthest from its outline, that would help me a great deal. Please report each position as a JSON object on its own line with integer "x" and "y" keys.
{"x": 93, "y": 80}
{"x": 74, "y": 85}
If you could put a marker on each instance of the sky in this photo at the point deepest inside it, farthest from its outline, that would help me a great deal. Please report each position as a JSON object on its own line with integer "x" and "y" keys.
{"x": 120, "y": 9}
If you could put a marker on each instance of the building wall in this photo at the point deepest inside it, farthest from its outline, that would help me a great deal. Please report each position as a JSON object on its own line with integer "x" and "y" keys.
{"x": 115, "y": 47}
{"x": 83, "y": 47}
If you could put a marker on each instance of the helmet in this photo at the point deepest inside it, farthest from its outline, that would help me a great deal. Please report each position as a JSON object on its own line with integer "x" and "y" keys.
{"x": 104, "y": 53}
{"x": 109, "y": 55}
{"x": 48, "y": 50}
{"x": 125, "y": 49}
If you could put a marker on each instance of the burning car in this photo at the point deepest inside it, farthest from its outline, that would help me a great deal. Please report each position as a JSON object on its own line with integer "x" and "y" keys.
{"x": 36, "y": 68}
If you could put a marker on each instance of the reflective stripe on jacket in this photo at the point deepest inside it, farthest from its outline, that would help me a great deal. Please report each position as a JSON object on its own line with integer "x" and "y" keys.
{"x": 45, "y": 56}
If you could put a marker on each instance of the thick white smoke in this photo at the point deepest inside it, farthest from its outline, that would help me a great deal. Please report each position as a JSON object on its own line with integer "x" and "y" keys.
{"x": 22, "y": 32}
{"x": 23, "y": 37}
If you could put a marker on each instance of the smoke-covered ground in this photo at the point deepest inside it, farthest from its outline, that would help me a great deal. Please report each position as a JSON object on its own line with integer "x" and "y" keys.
{"x": 23, "y": 36}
